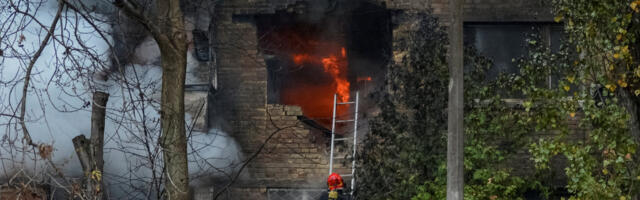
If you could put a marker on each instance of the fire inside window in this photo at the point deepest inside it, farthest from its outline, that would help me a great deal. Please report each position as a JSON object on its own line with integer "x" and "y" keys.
{"x": 310, "y": 56}
{"x": 306, "y": 62}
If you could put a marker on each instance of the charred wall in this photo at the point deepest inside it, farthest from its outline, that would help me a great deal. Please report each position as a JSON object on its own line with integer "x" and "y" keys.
{"x": 294, "y": 157}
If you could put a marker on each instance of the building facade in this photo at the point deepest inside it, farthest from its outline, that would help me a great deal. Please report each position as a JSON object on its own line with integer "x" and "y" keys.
{"x": 289, "y": 154}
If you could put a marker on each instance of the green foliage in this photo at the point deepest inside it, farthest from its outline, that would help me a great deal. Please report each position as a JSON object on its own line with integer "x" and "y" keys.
{"x": 404, "y": 154}
{"x": 598, "y": 65}
{"x": 582, "y": 118}
{"x": 406, "y": 142}
{"x": 494, "y": 133}
{"x": 604, "y": 33}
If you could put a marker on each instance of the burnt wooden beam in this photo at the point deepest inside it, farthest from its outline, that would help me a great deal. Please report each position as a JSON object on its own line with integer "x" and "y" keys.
{"x": 312, "y": 123}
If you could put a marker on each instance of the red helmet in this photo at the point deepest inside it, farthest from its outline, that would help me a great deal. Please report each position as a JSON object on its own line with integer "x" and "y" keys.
{"x": 335, "y": 181}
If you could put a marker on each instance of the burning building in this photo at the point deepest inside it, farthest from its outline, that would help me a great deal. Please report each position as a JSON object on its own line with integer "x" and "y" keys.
{"x": 295, "y": 56}
{"x": 266, "y": 71}
{"x": 277, "y": 63}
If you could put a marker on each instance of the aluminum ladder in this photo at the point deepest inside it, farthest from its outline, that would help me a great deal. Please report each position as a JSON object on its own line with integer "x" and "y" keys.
{"x": 355, "y": 136}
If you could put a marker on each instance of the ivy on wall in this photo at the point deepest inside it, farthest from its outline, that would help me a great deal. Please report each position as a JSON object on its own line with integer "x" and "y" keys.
{"x": 588, "y": 117}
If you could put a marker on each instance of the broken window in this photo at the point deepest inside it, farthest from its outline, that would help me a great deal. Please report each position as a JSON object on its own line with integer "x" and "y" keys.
{"x": 311, "y": 56}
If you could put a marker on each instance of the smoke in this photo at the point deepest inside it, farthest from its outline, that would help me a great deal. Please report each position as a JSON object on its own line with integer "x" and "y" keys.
{"x": 58, "y": 106}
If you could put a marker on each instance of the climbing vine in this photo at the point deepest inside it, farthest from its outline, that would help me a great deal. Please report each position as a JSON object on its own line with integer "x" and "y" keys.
{"x": 601, "y": 82}
{"x": 578, "y": 112}
{"x": 406, "y": 142}
{"x": 404, "y": 158}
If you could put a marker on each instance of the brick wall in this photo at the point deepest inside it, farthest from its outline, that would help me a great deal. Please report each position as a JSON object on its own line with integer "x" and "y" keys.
{"x": 245, "y": 7}
{"x": 506, "y": 10}
{"x": 292, "y": 157}
{"x": 480, "y": 10}
{"x": 246, "y": 193}
{"x": 524, "y": 165}
{"x": 240, "y": 100}
{"x": 234, "y": 193}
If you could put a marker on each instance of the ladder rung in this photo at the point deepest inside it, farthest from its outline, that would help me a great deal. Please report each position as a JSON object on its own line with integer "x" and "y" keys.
{"x": 343, "y": 139}
{"x": 348, "y": 120}
{"x": 348, "y": 102}
{"x": 347, "y": 175}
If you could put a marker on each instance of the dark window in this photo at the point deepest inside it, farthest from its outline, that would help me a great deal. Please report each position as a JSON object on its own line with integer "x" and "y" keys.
{"x": 500, "y": 43}
{"x": 557, "y": 35}
{"x": 201, "y": 42}
{"x": 504, "y": 42}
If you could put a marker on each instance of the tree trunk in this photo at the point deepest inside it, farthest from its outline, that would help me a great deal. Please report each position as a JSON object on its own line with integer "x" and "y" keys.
{"x": 455, "y": 135}
{"x": 173, "y": 49}
{"x": 98, "y": 112}
{"x": 168, "y": 31}
{"x": 90, "y": 152}
{"x": 173, "y": 139}
{"x": 629, "y": 101}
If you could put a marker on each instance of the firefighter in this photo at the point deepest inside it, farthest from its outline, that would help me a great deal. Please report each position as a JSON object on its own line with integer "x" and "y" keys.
{"x": 336, "y": 184}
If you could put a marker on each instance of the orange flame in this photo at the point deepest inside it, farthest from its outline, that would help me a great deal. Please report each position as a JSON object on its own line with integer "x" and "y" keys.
{"x": 298, "y": 59}
{"x": 337, "y": 68}
{"x": 316, "y": 99}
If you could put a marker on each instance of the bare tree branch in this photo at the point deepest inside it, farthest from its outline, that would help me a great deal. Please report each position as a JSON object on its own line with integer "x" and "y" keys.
{"x": 23, "y": 100}
{"x": 131, "y": 10}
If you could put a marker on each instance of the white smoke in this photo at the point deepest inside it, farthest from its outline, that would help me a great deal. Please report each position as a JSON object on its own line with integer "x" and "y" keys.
{"x": 58, "y": 105}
